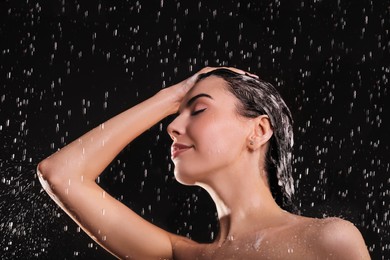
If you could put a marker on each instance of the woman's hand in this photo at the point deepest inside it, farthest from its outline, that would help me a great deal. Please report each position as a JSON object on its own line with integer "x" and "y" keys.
{"x": 179, "y": 90}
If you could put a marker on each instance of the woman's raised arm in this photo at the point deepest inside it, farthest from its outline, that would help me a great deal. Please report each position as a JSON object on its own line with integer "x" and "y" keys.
{"x": 69, "y": 178}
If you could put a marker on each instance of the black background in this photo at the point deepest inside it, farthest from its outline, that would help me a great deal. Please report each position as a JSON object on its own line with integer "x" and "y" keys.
{"x": 66, "y": 66}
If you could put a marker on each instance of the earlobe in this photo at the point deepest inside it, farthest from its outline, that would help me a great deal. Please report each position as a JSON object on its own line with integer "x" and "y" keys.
{"x": 251, "y": 144}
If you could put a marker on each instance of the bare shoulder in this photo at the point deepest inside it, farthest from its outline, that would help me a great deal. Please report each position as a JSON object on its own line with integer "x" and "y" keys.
{"x": 338, "y": 239}
{"x": 300, "y": 238}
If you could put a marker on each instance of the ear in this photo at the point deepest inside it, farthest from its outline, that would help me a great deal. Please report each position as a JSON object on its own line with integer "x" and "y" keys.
{"x": 261, "y": 132}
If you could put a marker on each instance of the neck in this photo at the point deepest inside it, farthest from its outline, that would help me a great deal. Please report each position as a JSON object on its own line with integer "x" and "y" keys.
{"x": 243, "y": 204}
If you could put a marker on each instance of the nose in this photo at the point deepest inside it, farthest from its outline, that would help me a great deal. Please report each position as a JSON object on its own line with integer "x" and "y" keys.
{"x": 175, "y": 128}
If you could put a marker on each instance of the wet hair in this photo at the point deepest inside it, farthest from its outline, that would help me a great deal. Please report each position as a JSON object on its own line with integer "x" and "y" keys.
{"x": 258, "y": 97}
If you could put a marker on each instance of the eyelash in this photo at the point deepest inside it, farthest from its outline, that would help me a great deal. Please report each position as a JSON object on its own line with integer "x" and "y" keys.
{"x": 198, "y": 111}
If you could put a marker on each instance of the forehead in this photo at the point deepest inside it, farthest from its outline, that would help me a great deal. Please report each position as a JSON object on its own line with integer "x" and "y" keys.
{"x": 212, "y": 85}
{"x": 217, "y": 88}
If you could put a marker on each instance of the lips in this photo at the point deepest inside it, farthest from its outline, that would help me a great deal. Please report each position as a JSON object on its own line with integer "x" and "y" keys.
{"x": 177, "y": 149}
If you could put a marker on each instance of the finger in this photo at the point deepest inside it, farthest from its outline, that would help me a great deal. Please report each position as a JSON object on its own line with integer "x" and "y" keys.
{"x": 243, "y": 72}
{"x": 252, "y": 75}
{"x": 236, "y": 70}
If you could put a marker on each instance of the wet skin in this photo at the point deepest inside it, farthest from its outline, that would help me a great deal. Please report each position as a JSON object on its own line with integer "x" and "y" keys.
{"x": 300, "y": 238}
{"x": 208, "y": 112}
{"x": 221, "y": 160}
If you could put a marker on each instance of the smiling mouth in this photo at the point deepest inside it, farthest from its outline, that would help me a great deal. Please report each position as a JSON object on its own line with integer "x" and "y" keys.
{"x": 177, "y": 149}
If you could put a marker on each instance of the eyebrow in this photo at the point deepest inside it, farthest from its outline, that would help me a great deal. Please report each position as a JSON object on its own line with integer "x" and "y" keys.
{"x": 192, "y": 100}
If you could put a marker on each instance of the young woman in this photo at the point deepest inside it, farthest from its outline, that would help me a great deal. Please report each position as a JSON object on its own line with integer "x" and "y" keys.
{"x": 233, "y": 137}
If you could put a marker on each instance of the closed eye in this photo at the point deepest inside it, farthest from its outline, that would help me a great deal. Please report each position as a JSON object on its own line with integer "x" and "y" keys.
{"x": 194, "y": 113}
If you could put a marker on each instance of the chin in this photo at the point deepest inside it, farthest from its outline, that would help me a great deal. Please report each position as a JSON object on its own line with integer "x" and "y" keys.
{"x": 184, "y": 177}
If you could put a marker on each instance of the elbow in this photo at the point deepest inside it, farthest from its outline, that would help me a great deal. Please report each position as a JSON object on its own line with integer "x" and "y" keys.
{"x": 44, "y": 176}
{"x": 49, "y": 177}
{"x": 46, "y": 172}
{"x": 43, "y": 169}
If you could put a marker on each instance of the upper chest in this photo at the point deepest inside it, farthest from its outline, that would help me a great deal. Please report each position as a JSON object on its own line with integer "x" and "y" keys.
{"x": 277, "y": 246}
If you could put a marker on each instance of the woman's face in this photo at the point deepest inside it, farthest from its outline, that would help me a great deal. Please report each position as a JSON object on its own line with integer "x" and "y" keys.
{"x": 209, "y": 137}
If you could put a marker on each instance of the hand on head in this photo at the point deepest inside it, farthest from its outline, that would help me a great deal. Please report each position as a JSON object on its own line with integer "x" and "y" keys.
{"x": 180, "y": 89}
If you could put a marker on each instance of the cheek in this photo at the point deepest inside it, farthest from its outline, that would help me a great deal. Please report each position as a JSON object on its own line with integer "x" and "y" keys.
{"x": 221, "y": 140}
